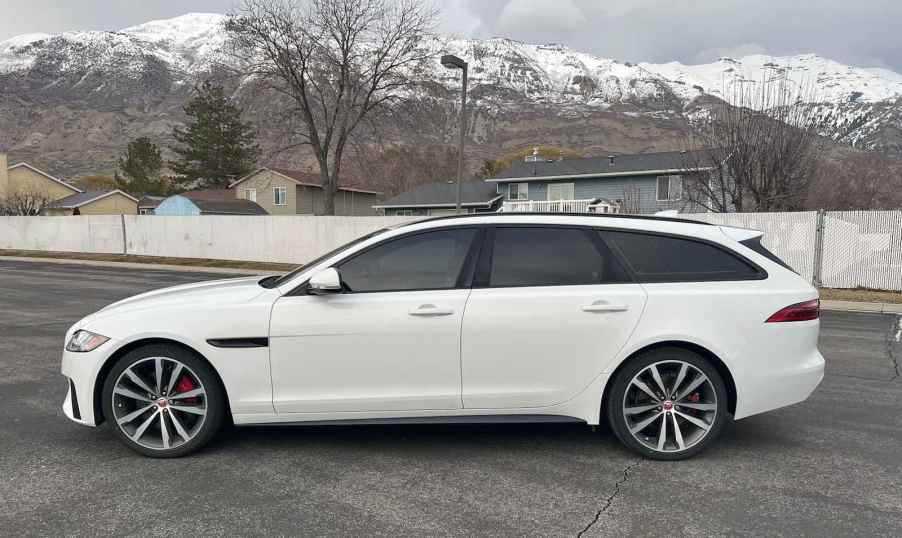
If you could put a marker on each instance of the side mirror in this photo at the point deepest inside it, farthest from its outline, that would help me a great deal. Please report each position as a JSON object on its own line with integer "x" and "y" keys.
{"x": 326, "y": 281}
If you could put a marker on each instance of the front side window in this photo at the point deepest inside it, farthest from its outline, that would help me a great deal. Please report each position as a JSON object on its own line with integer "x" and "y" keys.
{"x": 279, "y": 195}
{"x": 426, "y": 261}
{"x": 661, "y": 258}
{"x": 535, "y": 256}
{"x": 518, "y": 191}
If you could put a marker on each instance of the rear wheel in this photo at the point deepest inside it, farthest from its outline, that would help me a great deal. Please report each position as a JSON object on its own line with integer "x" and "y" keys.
{"x": 163, "y": 401}
{"x": 668, "y": 404}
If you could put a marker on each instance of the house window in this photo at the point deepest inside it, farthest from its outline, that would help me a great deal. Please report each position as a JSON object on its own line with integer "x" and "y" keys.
{"x": 670, "y": 188}
{"x": 518, "y": 191}
{"x": 560, "y": 191}
{"x": 250, "y": 194}
{"x": 404, "y": 212}
{"x": 279, "y": 194}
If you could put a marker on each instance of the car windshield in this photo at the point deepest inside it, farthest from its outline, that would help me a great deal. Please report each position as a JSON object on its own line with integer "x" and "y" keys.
{"x": 272, "y": 283}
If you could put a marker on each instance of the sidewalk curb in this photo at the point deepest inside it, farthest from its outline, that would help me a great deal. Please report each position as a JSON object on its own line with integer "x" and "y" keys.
{"x": 857, "y": 306}
{"x": 146, "y": 266}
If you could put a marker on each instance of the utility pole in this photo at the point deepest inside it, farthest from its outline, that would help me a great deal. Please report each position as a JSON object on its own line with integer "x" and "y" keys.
{"x": 453, "y": 62}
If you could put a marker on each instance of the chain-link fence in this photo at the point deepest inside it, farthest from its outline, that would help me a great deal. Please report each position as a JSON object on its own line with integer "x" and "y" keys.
{"x": 833, "y": 249}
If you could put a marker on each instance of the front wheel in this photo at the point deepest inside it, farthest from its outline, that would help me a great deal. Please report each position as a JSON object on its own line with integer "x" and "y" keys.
{"x": 163, "y": 401}
{"x": 668, "y": 404}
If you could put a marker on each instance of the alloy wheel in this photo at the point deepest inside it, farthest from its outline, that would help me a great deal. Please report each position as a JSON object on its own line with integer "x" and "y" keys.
{"x": 159, "y": 403}
{"x": 670, "y": 406}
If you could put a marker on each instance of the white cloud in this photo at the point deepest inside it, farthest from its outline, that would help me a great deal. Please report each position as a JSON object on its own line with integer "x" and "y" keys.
{"x": 541, "y": 16}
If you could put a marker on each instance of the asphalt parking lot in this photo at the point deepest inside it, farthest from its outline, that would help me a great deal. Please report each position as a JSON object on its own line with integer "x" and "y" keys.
{"x": 831, "y": 466}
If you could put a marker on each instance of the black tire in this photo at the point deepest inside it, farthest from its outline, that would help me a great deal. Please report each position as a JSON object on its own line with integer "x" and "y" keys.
{"x": 215, "y": 400}
{"x": 614, "y": 403}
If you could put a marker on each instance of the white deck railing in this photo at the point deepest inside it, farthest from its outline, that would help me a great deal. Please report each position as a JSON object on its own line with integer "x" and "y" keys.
{"x": 547, "y": 206}
{"x": 591, "y": 205}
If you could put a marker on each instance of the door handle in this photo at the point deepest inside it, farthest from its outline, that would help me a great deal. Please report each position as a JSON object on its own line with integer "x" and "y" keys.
{"x": 604, "y": 306}
{"x": 429, "y": 309}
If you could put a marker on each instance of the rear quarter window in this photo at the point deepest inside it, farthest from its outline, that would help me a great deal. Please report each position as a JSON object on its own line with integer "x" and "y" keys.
{"x": 756, "y": 245}
{"x": 665, "y": 258}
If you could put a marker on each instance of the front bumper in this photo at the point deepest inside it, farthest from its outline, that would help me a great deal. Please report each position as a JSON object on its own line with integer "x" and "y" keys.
{"x": 81, "y": 371}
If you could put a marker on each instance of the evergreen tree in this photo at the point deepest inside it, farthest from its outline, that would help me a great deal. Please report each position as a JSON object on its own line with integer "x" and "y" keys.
{"x": 215, "y": 147}
{"x": 139, "y": 168}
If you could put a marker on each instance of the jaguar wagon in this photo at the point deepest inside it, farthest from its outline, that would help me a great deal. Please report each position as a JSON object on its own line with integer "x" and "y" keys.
{"x": 664, "y": 328}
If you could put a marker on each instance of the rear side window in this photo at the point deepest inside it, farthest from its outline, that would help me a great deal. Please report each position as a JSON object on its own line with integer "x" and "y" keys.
{"x": 661, "y": 258}
{"x": 755, "y": 244}
{"x": 426, "y": 261}
{"x": 535, "y": 256}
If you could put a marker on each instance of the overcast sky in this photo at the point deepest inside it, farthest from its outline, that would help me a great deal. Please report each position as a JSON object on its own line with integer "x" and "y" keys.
{"x": 866, "y": 33}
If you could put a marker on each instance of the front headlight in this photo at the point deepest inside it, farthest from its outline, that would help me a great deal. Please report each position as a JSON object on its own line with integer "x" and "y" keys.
{"x": 84, "y": 341}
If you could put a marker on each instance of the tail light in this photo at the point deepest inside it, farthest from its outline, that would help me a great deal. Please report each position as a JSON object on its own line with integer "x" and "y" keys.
{"x": 797, "y": 312}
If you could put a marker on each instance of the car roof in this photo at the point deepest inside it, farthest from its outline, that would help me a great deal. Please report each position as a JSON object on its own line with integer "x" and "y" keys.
{"x": 643, "y": 223}
{"x": 543, "y": 217}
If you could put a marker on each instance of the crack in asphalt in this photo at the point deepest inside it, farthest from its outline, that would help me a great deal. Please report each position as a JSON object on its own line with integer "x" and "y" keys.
{"x": 892, "y": 340}
{"x": 611, "y": 497}
{"x": 893, "y": 337}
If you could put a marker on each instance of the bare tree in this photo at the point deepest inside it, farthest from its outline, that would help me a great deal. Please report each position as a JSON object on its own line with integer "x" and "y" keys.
{"x": 758, "y": 149}
{"x": 857, "y": 180}
{"x": 630, "y": 203}
{"x": 24, "y": 203}
{"x": 336, "y": 62}
{"x": 396, "y": 169}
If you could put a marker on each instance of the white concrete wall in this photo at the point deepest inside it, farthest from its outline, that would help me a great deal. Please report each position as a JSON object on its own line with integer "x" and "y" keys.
{"x": 861, "y": 248}
{"x": 284, "y": 239}
{"x": 98, "y": 233}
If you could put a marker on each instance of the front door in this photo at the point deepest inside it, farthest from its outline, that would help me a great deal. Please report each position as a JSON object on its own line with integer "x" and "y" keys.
{"x": 389, "y": 342}
{"x": 550, "y": 308}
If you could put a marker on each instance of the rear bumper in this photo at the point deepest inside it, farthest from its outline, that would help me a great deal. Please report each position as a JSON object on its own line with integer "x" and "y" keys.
{"x": 782, "y": 388}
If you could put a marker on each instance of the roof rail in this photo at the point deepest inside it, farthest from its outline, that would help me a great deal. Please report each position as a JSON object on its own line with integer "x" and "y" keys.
{"x": 557, "y": 214}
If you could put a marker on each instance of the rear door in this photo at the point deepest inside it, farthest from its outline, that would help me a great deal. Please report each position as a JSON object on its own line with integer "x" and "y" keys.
{"x": 551, "y": 306}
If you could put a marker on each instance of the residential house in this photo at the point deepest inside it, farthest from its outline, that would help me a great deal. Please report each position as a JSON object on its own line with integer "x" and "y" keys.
{"x": 293, "y": 192}
{"x": 638, "y": 183}
{"x": 99, "y": 202}
{"x": 207, "y": 202}
{"x": 24, "y": 179}
{"x": 147, "y": 204}
{"x": 434, "y": 199}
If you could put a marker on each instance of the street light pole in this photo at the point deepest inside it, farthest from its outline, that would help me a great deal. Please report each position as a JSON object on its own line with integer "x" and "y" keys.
{"x": 453, "y": 62}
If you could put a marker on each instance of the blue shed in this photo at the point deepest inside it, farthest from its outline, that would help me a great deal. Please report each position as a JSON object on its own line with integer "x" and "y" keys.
{"x": 206, "y": 203}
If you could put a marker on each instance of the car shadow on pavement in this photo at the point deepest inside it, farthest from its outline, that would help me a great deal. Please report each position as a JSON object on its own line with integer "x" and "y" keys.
{"x": 754, "y": 434}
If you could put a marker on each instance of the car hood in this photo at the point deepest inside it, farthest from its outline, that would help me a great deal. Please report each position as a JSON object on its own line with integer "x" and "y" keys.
{"x": 227, "y": 291}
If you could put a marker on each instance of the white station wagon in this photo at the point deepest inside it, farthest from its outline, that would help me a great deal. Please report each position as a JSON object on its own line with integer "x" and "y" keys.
{"x": 665, "y": 328}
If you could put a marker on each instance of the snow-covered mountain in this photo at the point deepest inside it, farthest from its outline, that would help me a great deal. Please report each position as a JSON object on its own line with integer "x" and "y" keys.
{"x": 76, "y": 96}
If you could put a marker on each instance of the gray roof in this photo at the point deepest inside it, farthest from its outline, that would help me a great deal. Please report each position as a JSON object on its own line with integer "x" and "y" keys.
{"x": 472, "y": 193}
{"x": 622, "y": 164}
{"x": 150, "y": 201}
{"x": 236, "y": 206}
{"x": 79, "y": 199}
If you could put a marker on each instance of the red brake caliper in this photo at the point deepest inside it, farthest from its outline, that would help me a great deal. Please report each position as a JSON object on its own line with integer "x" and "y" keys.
{"x": 694, "y": 397}
{"x": 184, "y": 385}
